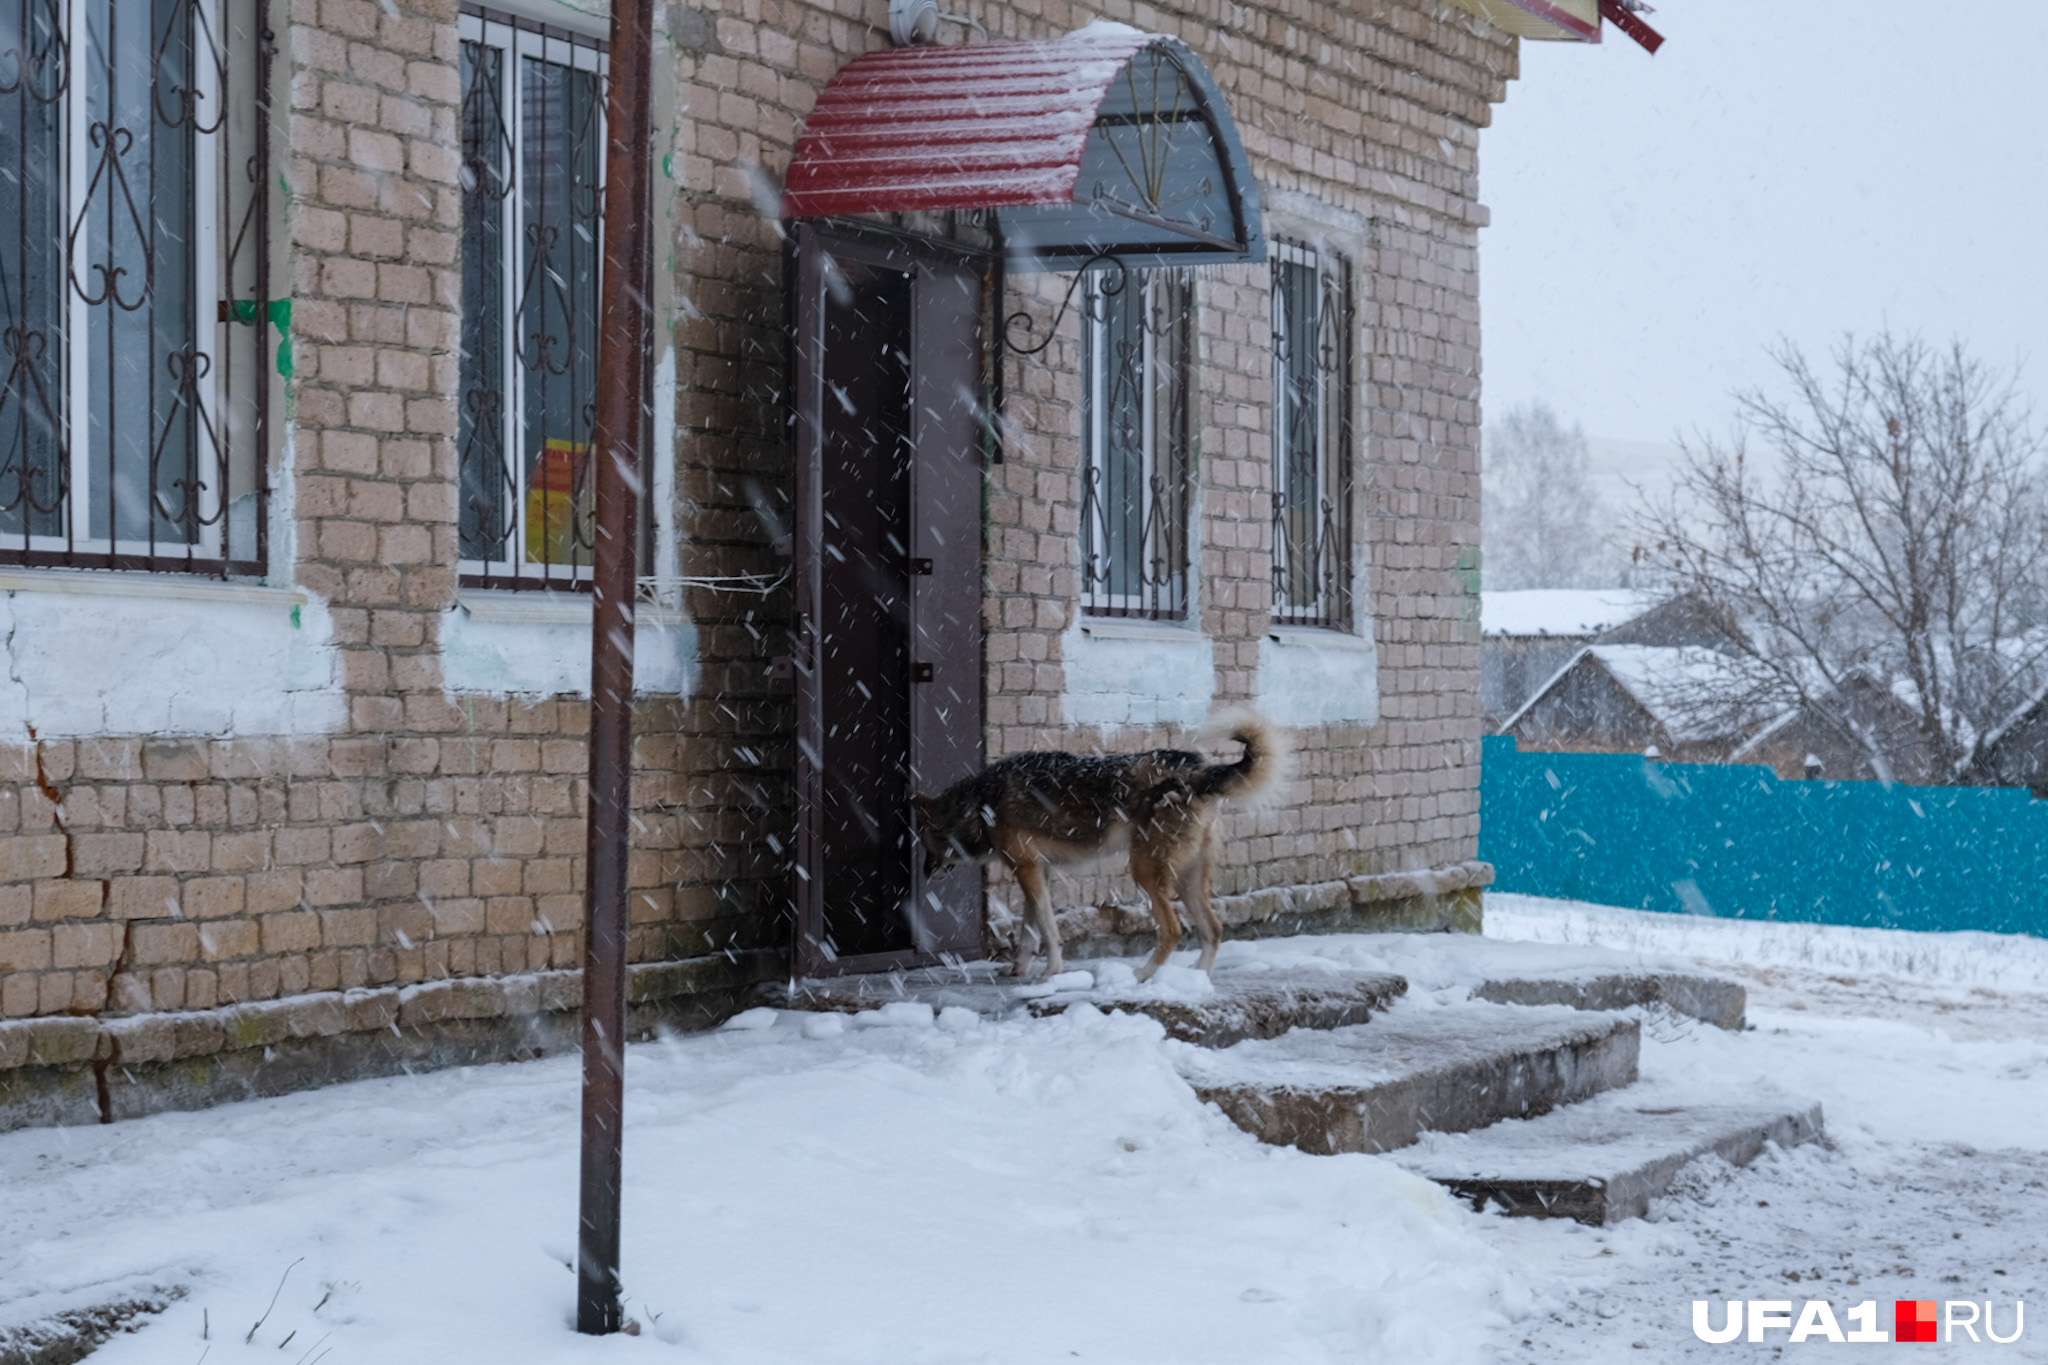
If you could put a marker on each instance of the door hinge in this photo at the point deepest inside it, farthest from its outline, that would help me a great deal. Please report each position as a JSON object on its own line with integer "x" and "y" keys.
{"x": 920, "y": 672}
{"x": 920, "y": 566}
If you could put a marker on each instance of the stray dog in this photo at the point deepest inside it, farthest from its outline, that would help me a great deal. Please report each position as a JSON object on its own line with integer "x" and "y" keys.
{"x": 1036, "y": 809}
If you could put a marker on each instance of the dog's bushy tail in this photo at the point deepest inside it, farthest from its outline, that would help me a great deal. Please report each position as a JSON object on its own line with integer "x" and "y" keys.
{"x": 1264, "y": 767}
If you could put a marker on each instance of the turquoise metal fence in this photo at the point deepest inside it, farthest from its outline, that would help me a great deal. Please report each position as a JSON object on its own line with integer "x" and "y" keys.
{"x": 1737, "y": 841}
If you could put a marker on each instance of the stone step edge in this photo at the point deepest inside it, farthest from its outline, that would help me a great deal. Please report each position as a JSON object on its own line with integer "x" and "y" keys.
{"x": 1389, "y": 1115}
{"x": 1252, "y": 908}
{"x": 1185, "y": 1021}
{"x": 171, "y": 1036}
{"x": 1710, "y": 999}
{"x": 1627, "y": 1194}
{"x": 1251, "y": 1006}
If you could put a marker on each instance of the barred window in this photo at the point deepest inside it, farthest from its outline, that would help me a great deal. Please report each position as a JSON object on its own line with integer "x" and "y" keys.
{"x": 1311, "y": 436}
{"x": 532, "y": 247}
{"x": 134, "y": 310}
{"x": 1138, "y": 466}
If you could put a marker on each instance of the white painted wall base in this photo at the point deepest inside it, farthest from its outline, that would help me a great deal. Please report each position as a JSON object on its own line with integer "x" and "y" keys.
{"x": 1318, "y": 677}
{"x": 1127, "y": 672}
{"x": 531, "y": 644}
{"x": 130, "y": 654}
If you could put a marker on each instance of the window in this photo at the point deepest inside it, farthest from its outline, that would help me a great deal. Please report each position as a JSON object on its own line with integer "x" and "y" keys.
{"x": 1311, "y": 436}
{"x": 532, "y": 245}
{"x": 134, "y": 231}
{"x": 1135, "y": 476}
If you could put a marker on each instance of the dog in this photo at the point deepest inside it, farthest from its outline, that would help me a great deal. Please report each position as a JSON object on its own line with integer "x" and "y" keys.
{"x": 1041, "y": 809}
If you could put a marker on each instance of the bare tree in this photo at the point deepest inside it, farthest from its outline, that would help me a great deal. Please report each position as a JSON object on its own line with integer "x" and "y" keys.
{"x": 1544, "y": 524}
{"x": 1887, "y": 560}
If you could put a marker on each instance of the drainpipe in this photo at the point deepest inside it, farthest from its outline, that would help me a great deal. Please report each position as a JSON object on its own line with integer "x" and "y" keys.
{"x": 625, "y": 336}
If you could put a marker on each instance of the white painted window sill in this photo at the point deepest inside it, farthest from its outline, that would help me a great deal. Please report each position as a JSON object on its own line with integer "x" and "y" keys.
{"x": 565, "y": 608}
{"x": 1321, "y": 638}
{"x": 1138, "y": 628}
{"x": 151, "y": 586}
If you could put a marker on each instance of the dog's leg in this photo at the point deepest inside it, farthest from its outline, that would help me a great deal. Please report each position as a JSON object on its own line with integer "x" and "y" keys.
{"x": 1195, "y": 882}
{"x": 1155, "y": 878}
{"x": 1020, "y": 946}
{"x": 1031, "y": 877}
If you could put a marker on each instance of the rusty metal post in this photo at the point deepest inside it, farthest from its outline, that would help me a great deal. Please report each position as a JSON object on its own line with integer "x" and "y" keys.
{"x": 625, "y": 333}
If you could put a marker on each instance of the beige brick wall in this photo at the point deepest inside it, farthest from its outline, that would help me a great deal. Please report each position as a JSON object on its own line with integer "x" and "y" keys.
{"x": 1373, "y": 115}
{"x": 443, "y": 835}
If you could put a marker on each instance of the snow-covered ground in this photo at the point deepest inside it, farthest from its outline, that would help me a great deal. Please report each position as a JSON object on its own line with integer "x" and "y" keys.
{"x": 909, "y": 1189}
{"x": 1929, "y": 1053}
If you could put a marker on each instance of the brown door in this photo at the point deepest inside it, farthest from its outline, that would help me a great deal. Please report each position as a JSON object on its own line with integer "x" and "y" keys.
{"x": 888, "y": 562}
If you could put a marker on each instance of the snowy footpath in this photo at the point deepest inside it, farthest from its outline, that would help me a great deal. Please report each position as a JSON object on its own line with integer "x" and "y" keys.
{"x": 902, "y": 1188}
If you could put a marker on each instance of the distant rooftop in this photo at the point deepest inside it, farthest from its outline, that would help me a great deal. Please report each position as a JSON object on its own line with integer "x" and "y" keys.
{"x": 1559, "y": 611}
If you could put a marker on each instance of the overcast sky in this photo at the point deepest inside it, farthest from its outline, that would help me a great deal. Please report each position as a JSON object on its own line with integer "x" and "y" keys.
{"x": 1794, "y": 167}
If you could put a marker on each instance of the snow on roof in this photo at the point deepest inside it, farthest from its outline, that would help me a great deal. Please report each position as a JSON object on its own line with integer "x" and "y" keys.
{"x": 1694, "y": 693}
{"x": 1559, "y": 611}
{"x": 2019, "y": 713}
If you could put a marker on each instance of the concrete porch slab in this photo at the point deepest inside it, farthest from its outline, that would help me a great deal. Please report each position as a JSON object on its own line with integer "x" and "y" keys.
{"x": 1603, "y": 1161}
{"x": 1416, "y": 1070}
{"x": 1511, "y": 972}
{"x": 1241, "y": 1006}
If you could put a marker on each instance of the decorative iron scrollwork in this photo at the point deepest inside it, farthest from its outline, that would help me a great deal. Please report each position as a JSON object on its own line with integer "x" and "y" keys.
{"x": 1092, "y": 306}
{"x": 1312, "y": 480}
{"x": 1136, "y": 478}
{"x": 188, "y": 369}
{"x": 32, "y": 62}
{"x": 134, "y": 411}
{"x": 532, "y": 246}
{"x": 188, "y": 23}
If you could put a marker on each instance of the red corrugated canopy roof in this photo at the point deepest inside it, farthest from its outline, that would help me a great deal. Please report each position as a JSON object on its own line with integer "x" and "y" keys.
{"x": 989, "y": 125}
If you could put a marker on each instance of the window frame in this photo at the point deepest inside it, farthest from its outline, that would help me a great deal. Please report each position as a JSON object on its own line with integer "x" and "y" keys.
{"x": 519, "y": 38}
{"x": 1164, "y": 445}
{"x": 206, "y": 380}
{"x": 1327, "y": 599}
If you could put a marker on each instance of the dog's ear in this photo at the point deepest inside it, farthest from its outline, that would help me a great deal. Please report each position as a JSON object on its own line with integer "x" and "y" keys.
{"x": 922, "y": 806}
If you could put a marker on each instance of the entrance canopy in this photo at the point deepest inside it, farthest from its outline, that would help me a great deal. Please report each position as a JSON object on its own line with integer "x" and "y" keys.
{"x": 1106, "y": 141}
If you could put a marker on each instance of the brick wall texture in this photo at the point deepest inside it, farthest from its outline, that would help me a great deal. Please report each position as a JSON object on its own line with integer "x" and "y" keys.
{"x": 442, "y": 835}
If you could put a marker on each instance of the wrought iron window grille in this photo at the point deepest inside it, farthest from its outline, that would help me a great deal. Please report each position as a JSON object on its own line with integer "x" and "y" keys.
{"x": 1312, "y": 436}
{"x": 532, "y": 119}
{"x": 1137, "y": 329}
{"x": 134, "y": 284}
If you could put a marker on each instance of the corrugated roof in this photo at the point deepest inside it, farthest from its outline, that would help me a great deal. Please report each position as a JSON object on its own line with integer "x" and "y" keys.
{"x": 990, "y": 125}
{"x": 987, "y": 125}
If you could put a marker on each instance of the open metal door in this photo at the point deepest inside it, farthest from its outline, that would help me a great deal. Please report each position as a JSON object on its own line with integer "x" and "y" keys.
{"x": 888, "y": 639}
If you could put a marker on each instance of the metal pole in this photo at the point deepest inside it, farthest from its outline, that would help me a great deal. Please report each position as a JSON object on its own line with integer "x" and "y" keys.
{"x": 625, "y": 332}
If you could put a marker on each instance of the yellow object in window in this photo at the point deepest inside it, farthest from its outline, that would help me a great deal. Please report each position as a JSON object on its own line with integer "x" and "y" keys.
{"x": 559, "y": 525}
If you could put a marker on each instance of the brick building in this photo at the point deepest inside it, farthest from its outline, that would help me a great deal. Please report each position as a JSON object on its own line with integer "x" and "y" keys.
{"x": 301, "y": 358}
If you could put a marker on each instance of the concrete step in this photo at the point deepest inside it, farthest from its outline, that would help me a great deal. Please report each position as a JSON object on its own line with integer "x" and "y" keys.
{"x": 1603, "y": 1161}
{"x": 1416, "y": 1069}
{"x": 1711, "y": 999}
{"x": 1239, "y": 1005}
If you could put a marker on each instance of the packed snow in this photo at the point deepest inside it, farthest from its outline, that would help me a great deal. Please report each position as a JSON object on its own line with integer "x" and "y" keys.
{"x": 1929, "y": 1054}
{"x": 907, "y": 1185}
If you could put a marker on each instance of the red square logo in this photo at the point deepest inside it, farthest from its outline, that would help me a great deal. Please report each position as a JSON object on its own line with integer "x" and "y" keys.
{"x": 1915, "y": 1320}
